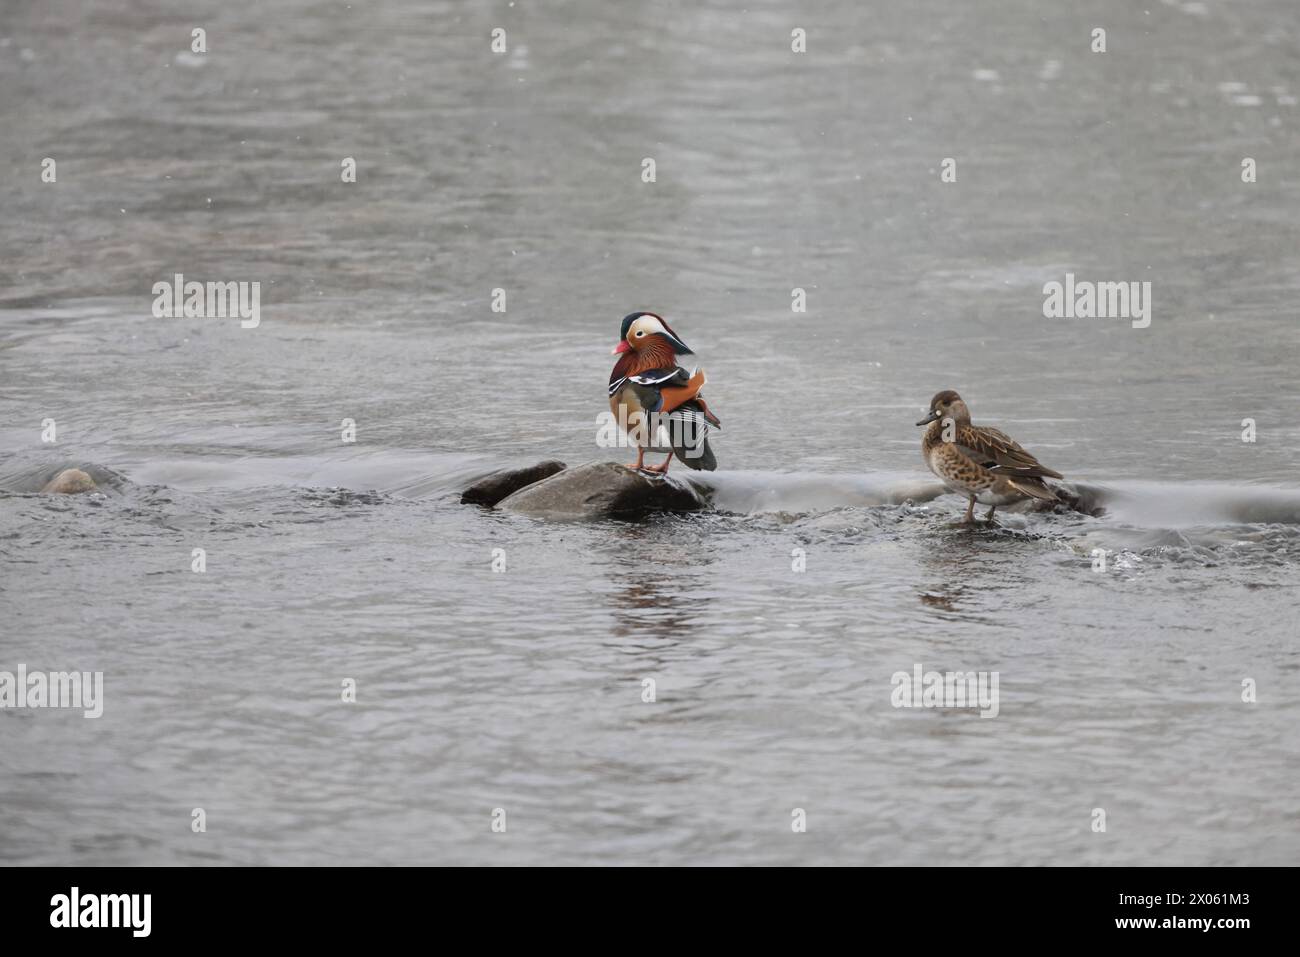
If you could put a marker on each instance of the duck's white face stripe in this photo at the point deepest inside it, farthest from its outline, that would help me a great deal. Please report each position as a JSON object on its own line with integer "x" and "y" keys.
{"x": 645, "y": 326}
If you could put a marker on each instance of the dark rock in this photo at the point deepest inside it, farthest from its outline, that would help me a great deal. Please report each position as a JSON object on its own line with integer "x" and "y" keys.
{"x": 1074, "y": 497}
{"x": 488, "y": 491}
{"x": 604, "y": 490}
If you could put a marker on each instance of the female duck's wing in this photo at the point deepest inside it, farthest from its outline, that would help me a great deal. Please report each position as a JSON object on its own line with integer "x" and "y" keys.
{"x": 999, "y": 452}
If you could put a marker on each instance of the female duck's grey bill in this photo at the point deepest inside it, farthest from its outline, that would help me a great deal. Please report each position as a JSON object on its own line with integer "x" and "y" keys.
{"x": 934, "y": 414}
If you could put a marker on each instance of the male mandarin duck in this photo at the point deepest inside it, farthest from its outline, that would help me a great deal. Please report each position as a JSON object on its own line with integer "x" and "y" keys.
{"x": 657, "y": 402}
{"x": 978, "y": 461}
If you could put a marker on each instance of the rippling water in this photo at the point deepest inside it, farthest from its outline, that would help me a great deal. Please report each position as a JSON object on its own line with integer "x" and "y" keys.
{"x": 522, "y": 689}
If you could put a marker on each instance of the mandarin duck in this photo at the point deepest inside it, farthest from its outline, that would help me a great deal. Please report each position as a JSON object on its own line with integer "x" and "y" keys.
{"x": 655, "y": 401}
{"x": 980, "y": 462}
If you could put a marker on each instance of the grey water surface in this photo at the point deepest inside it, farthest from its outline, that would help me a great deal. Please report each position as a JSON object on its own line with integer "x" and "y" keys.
{"x": 522, "y": 688}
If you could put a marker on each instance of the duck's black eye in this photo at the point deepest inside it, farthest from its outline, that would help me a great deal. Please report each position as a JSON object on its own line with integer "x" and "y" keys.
{"x": 640, "y": 334}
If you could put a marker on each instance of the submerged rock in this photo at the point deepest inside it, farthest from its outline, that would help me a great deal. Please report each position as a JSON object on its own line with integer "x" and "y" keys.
{"x": 69, "y": 482}
{"x": 1085, "y": 499}
{"x": 492, "y": 489}
{"x": 601, "y": 490}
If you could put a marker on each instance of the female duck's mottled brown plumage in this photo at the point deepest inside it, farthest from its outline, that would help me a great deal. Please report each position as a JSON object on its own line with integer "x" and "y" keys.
{"x": 978, "y": 461}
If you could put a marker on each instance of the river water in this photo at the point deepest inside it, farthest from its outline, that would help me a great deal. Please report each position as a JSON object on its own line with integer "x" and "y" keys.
{"x": 522, "y": 688}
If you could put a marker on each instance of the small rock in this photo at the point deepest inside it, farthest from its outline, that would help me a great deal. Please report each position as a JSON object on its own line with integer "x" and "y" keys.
{"x": 604, "y": 490}
{"x": 69, "y": 482}
{"x": 1074, "y": 496}
{"x": 488, "y": 491}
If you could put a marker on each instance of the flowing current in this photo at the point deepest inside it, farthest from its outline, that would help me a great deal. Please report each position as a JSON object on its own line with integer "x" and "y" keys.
{"x": 501, "y": 662}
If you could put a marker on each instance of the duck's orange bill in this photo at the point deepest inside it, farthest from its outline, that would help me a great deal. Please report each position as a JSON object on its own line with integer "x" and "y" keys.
{"x": 621, "y": 347}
